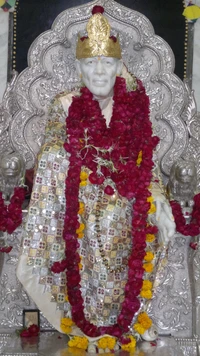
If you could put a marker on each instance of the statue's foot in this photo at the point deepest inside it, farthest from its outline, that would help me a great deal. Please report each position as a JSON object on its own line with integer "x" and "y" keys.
{"x": 151, "y": 334}
{"x": 92, "y": 348}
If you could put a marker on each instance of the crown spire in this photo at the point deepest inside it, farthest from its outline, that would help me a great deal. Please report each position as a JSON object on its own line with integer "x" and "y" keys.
{"x": 99, "y": 42}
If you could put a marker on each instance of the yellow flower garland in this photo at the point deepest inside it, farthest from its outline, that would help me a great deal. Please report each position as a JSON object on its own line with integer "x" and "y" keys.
{"x": 143, "y": 324}
{"x": 107, "y": 342}
{"x": 81, "y": 342}
{"x": 66, "y": 324}
{"x": 144, "y": 320}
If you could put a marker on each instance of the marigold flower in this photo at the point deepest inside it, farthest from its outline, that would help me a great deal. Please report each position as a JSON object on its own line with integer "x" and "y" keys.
{"x": 81, "y": 208}
{"x": 67, "y": 321}
{"x": 150, "y": 199}
{"x": 80, "y": 229}
{"x": 152, "y": 209}
{"x": 66, "y": 329}
{"x": 107, "y": 342}
{"x": 80, "y": 235}
{"x": 80, "y": 266}
{"x": 66, "y": 298}
{"x": 139, "y": 159}
{"x": 147, "y": 294}
{"x": 139, "y": 328}
{"x": 149, "y": 256}
{"x": 148, "y": 267}
{"x": 83, "y": 183}
{"x": 66, "y": 324}
{"x": 83, "y": 176}
{"x": 81, "y": 342}
{"x": 150, "y": 237}
{"x": 130, "y": 347}
{"x": 147, "y": 285}
{"x": 144, "y": 320}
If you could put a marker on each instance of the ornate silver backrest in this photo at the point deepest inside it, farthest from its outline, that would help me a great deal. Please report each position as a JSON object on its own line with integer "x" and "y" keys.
{"x": 51, "y": 70}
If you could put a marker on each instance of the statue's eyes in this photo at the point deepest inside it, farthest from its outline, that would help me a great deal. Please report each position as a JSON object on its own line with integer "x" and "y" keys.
{"x": 108, "y": 63}
{"x": 90, "y": 62}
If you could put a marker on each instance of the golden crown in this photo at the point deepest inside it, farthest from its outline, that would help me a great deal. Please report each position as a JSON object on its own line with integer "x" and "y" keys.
{"x": 99, "y": 42}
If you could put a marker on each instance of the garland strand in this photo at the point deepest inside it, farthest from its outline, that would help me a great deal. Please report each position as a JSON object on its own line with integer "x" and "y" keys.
{"x": 193, "y": 228}
{"x": 11, "y": 214}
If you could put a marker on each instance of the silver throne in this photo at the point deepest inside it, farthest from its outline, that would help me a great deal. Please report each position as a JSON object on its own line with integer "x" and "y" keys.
{"x": 24, "y": 113}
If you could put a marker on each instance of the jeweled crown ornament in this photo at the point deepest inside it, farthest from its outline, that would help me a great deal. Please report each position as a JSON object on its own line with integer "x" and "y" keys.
{"x": 99, "y": 42}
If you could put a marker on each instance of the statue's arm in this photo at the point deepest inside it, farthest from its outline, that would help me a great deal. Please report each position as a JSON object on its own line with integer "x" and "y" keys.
{"x": 163, "y": 217}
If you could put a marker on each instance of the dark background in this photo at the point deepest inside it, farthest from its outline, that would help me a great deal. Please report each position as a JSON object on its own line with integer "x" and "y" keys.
{"x": 36, "y": 16}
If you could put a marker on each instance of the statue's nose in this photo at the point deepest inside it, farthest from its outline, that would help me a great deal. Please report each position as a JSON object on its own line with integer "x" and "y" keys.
{"x": 99, "y": 68}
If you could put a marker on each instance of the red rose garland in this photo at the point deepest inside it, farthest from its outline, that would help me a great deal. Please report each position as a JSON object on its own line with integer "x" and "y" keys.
{"x": 193, "y": 228}
{"x": 129, "y": 133}
{"x": 11, "y": 214}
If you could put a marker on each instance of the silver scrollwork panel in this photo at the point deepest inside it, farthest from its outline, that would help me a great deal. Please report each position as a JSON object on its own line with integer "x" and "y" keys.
{"x": 51, "y": 70}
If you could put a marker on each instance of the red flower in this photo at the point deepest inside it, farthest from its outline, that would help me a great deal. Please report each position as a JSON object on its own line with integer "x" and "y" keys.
{"x": 193, "y": 228}
{"x": 83, "y": 38}
{"x": 95, "y": 179}
{"x": 113, "y": 38}
{"x": 6, "y": 249}
{"x": 109, "y": 190}
{"x": 33, "y": 330}
{"x": 97, "y": 10}
{"x": 194, "y": 245}
{"x": 25, "y": 333}
{"x": 11, "y": 215}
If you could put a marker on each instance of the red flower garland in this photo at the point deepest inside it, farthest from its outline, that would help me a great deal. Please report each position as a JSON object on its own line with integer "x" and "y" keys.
{"x": 11, "y": 214}
{"x": 32, "y": 330}
{"x": 129, "y": 133}
{"x": 193, "y": 228}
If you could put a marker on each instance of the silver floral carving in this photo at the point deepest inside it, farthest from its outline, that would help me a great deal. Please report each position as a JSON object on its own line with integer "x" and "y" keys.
{"x": 171, "y": 306}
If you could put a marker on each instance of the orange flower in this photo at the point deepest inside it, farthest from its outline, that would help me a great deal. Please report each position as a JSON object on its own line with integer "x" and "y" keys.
{"x": 149, "y": 256}
{"x": 144, "y": 320}
{"x": 139, "y": 328}
{"x": 148, "y": 267}
{"x": 147, "y": 285}
{"x": 147, "y": 294}
{"x": 81, "y": 208}
{"x": 80, "y": 229}
{"x": 150, "y": 237}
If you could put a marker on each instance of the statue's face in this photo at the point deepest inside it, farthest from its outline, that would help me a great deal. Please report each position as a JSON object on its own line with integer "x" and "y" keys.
{"x": 185, "y": 174}
{"x": 10, "y": 166}
{"x": 99, "y": 74}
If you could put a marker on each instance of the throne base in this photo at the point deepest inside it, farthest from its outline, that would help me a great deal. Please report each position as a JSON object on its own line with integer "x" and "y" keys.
{"x": 55, "y": 344}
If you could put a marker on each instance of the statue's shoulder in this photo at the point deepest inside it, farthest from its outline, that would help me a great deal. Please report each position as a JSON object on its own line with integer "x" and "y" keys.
{"x": 57, "y": 113}
{"x": 63, "y": 100}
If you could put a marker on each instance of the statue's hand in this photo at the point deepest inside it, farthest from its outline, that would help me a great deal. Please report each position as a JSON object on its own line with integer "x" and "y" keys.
{"x": 164, "y": 220}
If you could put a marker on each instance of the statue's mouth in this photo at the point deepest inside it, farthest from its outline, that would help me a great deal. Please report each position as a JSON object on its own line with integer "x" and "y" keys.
{"x": 99, "y": 83}
{"x": 10, "y": 172}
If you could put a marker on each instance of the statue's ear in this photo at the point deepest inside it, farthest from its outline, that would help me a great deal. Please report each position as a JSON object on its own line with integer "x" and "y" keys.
{"x": 119, "y": 67}
{"x": 78, "y": 67}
